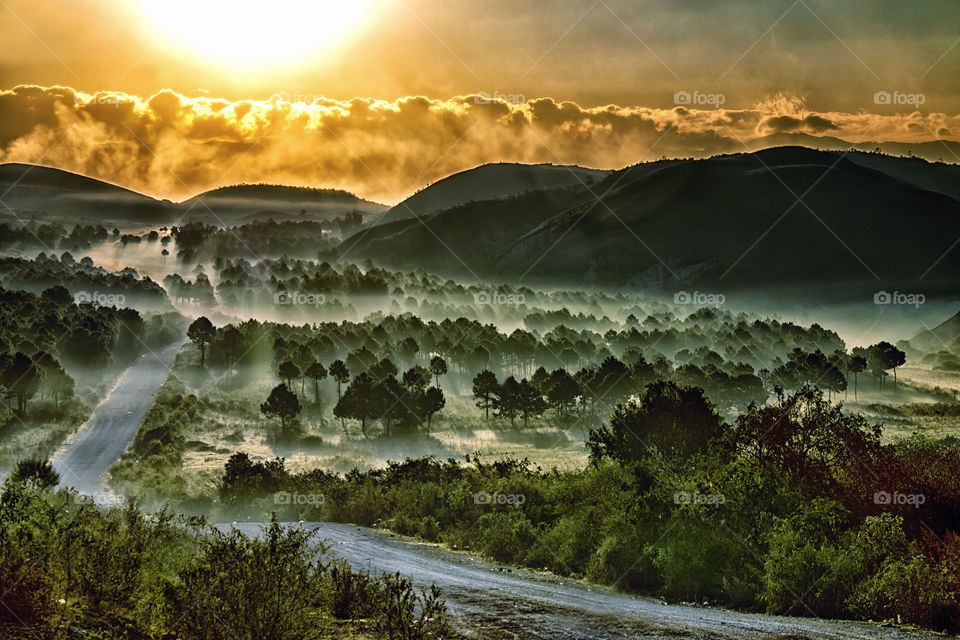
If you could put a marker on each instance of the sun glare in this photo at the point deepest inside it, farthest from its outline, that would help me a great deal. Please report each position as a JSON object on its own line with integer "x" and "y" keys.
{"x": 252, "y": 34}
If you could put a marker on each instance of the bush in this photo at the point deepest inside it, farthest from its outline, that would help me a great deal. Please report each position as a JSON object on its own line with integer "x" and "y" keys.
{"x": 621, "y": 560}
{"x": 133, "y": 575}
{"x": 38, "y": 472}
{"x": 505, "y": 536}
{"x": 249, "y": 588}
{"x": 352, "y": 595}
{"x": 405, "y": 615}
{"x": 694, "y": 556}
{"x": 429, "y": 529}
{"x": 28, "y": 591}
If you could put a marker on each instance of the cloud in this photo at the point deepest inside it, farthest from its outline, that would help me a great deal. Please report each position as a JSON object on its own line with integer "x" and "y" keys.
{"x": 171, "y": 145}
{"x": 791, "y": 124}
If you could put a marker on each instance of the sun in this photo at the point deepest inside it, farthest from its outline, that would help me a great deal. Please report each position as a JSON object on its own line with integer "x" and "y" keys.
{"x": 252, "y": 34}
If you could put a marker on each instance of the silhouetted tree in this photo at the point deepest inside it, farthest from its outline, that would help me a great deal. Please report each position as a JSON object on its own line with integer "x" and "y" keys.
{"x": 340, "y": 373}
{"x": 485, "y": 386}
{"x": 358, "y": 402}
{"x": 433, "y": 401}
{"x": 669, "y": 417}
{"x": 506, "y": 400}
{"x": 856, "y": 364}
{"x": 316, "y": 372}
{"x": 288, "y": 371}
{"x": 530, "y": 401}
{"x": 281, "y": 403}
{"x": 37, "y": 472}
{"x": 438, "y": 367}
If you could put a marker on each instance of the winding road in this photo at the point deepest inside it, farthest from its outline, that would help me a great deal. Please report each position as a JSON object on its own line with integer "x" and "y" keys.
{"x": 84, "y": 459}
{"x": 487, "y": 600}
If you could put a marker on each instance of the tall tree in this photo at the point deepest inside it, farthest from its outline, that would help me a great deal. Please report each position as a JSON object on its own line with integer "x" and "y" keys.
{"x": 856, "y": 365}
{"x": 22, "y": 377}
{"x": 232, "y": 342}
{"x": 340, "y": 373}
{"x": 889, "y": 357}
{"x": 562, "y": 390}
{"x": 438, "y": 367}
{"x": 316, "y": 372}
{"x": 358, "y": 402}
{"x": 433, "y": 401}
{"x": 409, "y": 349}
{"x": 281, "y": 403}
{"x": 288, "y": 371}
{"x": 416, "y": 377}
{"x": 201, "y": 332}
{"x": 506, "y": 401}
{"x": 484, "y": 388}
{"x": 530, "y": 401}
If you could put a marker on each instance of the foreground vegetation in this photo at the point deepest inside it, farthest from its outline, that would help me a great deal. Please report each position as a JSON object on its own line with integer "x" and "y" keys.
{"x": 796, "y": 508}
{"x": 122, "y": 573}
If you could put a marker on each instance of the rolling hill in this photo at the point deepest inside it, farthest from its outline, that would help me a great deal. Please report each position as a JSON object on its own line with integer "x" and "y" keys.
{"x": 244, "y": 203}
{"x": 944, "y": 336}
{"x": 25, "y": 187}
{"x": 489, "y": 182}
{"x": 728, "y": 223}
{"x": 50, "y": 193}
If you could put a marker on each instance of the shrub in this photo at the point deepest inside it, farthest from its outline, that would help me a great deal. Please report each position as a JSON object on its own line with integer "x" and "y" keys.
{"x": 505, "y": 535}
{"x": 621, "y": 560}
{"x": 37, "y": 472}
{"x": 405, "y": 615}
{"x": 352, "y": 595}
{"x": 249, "y": 588}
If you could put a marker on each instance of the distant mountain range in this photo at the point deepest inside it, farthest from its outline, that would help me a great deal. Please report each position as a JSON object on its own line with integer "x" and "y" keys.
{"x": 69, "y": 196}
{"x": 791, "y": 220}
{"x": 787, "y": 220}
{"x": 934, "y": 151}
{"x": 944, "y": 336}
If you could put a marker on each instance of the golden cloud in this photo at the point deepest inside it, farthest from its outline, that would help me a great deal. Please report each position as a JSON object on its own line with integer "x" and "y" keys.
{"x": 171, "y": 145}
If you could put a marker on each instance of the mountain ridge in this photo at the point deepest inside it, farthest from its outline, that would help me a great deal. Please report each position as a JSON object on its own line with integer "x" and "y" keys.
{"x": 730, "y": 222}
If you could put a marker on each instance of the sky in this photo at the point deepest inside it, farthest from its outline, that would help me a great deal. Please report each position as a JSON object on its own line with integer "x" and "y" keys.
{"x": 381, "y": 97}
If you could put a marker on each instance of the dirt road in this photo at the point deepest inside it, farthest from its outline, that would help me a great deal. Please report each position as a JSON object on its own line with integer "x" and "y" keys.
{"x": 88, "y": 454}
{"x": 494, "y": 601}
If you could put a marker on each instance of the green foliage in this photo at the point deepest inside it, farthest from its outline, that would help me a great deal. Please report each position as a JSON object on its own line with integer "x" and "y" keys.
{"x": 201, "y": 332}
{"x": 66, "y": 563}
{"x": 282, "y": 403}
{"x": 36, "y": 472}
{"x": 774, "y": 513}
{"x": 269, "y": 588}
{"x": 669, "y": 419}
